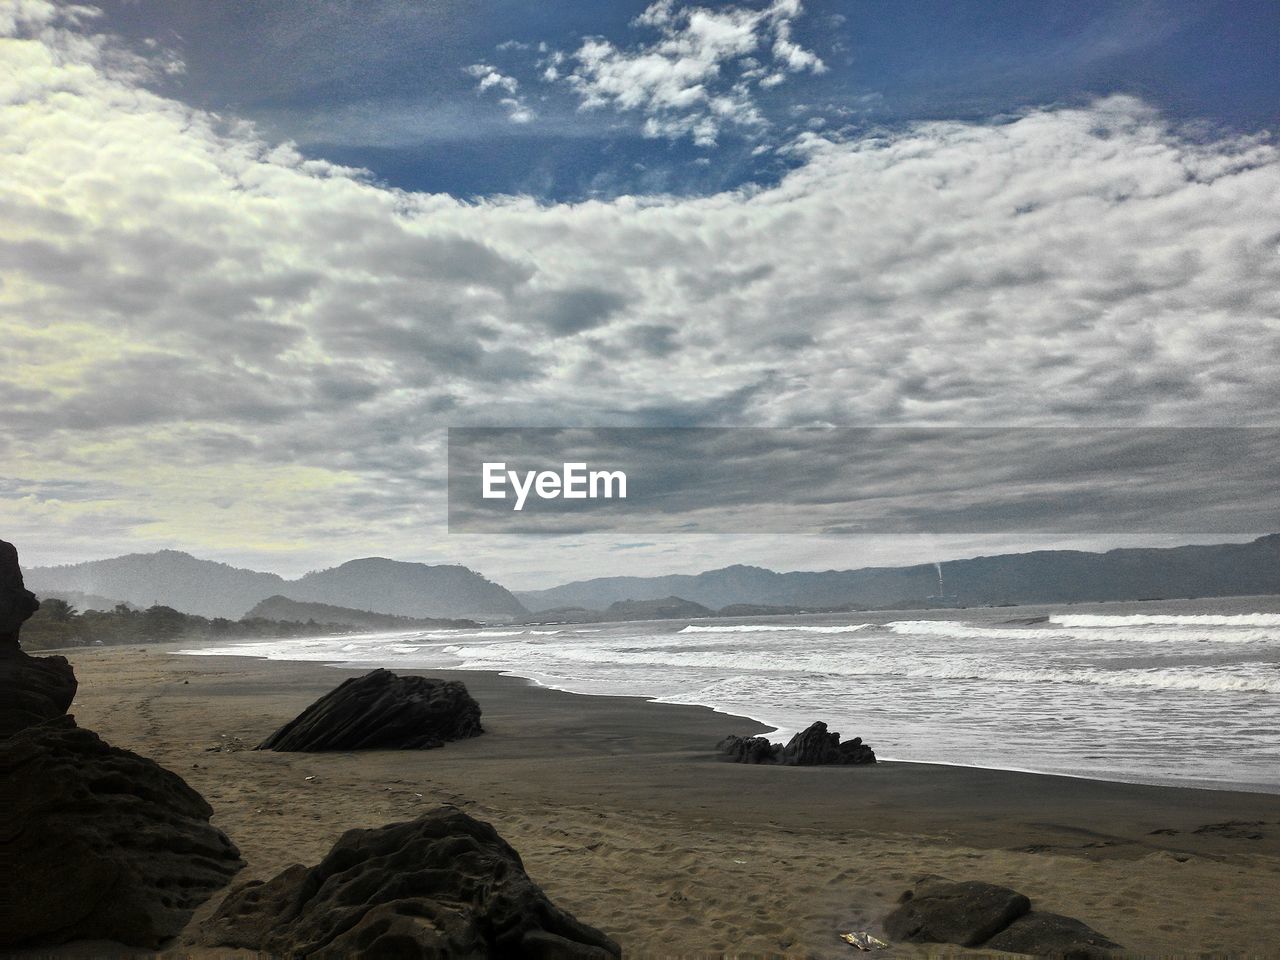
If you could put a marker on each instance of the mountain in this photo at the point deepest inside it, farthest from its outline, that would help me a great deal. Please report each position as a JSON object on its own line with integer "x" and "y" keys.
{"x": 408, "y": 590}
{"x": 82, "y": 601}
{"x": 1046, "y": 576}
{"x": 210, "y": 589}
{"x": 296, "y": 611}
{"x": 169, "y": 577}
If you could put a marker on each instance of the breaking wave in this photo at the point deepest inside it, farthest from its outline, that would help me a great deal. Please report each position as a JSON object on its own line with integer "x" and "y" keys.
{"x": 776, "y": 628}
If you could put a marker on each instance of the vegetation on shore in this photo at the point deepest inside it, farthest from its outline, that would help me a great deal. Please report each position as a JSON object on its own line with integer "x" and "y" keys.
{"x": 58, "y": 624}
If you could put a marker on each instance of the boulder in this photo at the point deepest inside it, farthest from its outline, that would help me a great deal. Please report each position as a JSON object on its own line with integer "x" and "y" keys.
{"x": 749, "y": 749}
{"x": 937, "y": 910}
{"x": 32, "y": 689}
{"x": 811, "y": 747}
{"x": 443, "y": 885}
{"x": 106, "y": 844}
{"x": 17, "y": 603}
{"x": 1051, "y": 935}
{"x": 814, "y": 746}
{"x": 381, "y": 710}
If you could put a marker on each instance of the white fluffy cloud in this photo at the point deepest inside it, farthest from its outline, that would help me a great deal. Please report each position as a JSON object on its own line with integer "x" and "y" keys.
{"x": 488, "y": 77}
{"x": 698, "y": 76}
{"x": 248, "y": 353}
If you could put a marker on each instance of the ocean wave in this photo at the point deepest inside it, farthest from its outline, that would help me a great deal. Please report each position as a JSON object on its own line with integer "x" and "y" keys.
{"x": 1117, "y": 632}
{"x": 776, "y": 628}
{"x": 1167, "y": 620}
{"x": 1164, "y": 678}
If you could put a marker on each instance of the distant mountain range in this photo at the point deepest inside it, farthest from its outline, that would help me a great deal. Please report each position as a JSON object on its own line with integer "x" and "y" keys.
{"x": 378, "y": 586}
{"x": 1046, "y": 576}
{"x": 297, "y": 611}
{"x": 210, "y": 589}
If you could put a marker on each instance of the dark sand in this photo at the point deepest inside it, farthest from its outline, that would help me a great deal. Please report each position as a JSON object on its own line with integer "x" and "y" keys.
{"x": 621, "y": 811}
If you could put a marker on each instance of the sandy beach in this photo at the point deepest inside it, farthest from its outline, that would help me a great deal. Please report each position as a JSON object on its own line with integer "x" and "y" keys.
{"x": 623, "y": 814}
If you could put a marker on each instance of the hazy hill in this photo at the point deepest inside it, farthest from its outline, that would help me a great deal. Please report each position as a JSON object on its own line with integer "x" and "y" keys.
{"x": 82, "y": 601}
{"x": 168, "y": 577}
{"x": 407, "y": 589}
{"x": 1047, "y": 576}
{"x": 210, "y": 589}
{"x": 297, "y": 611}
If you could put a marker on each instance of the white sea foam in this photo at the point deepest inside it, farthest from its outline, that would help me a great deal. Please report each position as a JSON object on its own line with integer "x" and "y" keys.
{"x": 775, "y": 628}
{"x": 1120, "y": 630}
{"x": 1157, "y": 619}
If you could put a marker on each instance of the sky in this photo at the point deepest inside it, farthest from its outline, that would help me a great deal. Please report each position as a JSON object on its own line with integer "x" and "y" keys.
{"x": 256, "y": 259}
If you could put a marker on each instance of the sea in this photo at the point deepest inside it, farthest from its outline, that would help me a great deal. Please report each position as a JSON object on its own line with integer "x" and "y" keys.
{"x": 1183, "y": 692}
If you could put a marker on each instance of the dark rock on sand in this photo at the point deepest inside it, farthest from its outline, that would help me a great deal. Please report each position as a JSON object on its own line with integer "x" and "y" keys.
{"x": 749, "y": 749}
{"x": 32, "y": 689}
{"x": 943, "y": 911}
{"x": 382, "y": 710}
{"x": 815, "y": 747}
{"x": 444, "y": 885}
{"x": 1051, "y": 935}
{"x": 809, "y": 748}
{"x": 110, "y": 844}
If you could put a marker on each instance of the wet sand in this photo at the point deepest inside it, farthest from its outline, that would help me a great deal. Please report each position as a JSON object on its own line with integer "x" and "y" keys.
{"x": 623, "y": 814}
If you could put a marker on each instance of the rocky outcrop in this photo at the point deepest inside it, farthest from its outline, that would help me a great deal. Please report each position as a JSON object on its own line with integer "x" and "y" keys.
{"x": 749, "y": 749}
{"x": 1051, "y": 935}
{"x": 816, "y": 747}
{"x": 32, "y": 689}
{"x": 812, "y": 747}
{"x": 973, "y": 914}
{"x": 382, "y": 711}
{"x": 942, "y": 911}
{"x": 17, "y": 603}
{"x": 105, "y": 844}
{"x": 444, "y": 885}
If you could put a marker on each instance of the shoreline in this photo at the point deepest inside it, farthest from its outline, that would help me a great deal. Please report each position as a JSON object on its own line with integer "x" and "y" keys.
{"x": 621, "y": 811}
{"x": 770, "y": 729}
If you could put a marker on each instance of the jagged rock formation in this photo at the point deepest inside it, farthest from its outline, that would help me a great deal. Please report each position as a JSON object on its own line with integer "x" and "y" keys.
{"x": 32, "y": 689}
{"x": 811, "y": 747}
{"x": 105, "y": 844}
{"x": 382, "y": 710}
{"x": 972, "y": 913}
{"x": 816, "y": 747}
{"x": 444, "y": 885}
{"x": 749, "y": 749}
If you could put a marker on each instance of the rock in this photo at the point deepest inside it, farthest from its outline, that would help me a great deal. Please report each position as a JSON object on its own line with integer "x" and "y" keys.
{"x": 749, "y": 749}
{"x": 815, "y": 747}
{"x": 17, "y": 603}
{"x": 937, "y": 910}
{"x": 382, "y": 710}
{"x": 443, "y": 885}
{"x": 110, "y": 845}
{"x": 1051, "y": 935}
{"x": 32, "y": 689}
{"x": 811, "y": 747}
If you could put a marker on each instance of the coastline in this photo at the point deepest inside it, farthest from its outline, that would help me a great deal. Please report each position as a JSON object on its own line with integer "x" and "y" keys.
{"x": 623, "y": 814}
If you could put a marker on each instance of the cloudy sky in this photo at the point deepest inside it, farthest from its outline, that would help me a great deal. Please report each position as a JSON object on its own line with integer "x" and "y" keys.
{"x": 256, "y": 258}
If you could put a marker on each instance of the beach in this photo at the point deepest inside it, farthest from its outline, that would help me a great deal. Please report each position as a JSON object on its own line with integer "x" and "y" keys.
{"x": 623, "y": 814}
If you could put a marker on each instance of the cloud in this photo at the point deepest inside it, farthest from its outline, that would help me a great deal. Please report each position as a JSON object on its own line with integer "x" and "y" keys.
{"x": 195, "y": 316}
{"x": 490, "y": 78}
{"x": 698, "y": 76}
